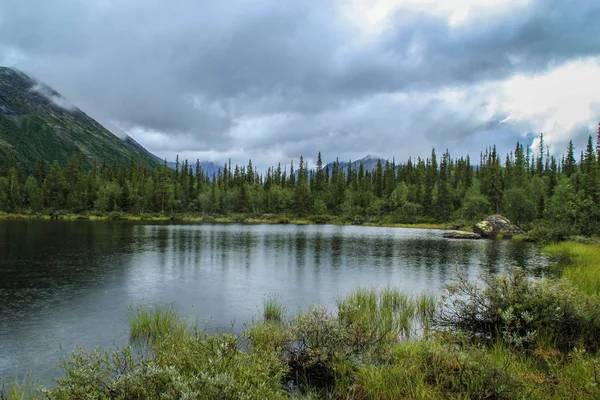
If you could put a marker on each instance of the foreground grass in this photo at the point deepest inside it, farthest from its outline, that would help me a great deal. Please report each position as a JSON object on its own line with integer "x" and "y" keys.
{"x": 580, "y": 263}
{"x": 506, "y": 337}
{"x": 20, "y": 389}
{"x": 509, "y": 337}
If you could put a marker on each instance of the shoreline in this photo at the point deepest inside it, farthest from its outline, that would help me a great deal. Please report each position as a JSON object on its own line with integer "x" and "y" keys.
{"x": 232, "y": 219}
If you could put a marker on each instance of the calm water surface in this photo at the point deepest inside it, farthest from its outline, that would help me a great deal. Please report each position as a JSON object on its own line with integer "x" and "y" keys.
{"x": 64, "y": 283}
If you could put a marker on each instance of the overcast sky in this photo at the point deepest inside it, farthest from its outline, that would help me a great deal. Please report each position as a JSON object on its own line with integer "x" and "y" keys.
{"x": 275, "y": 79}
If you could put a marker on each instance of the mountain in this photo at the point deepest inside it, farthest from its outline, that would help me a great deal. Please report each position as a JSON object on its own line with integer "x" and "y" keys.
{"x": 37, "y": 123}
{"x": 369, "y": 163}
{"x": 208, "y": 167}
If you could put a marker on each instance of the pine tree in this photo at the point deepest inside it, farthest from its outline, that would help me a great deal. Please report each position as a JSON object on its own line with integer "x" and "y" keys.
{"x": 570, "y": 166}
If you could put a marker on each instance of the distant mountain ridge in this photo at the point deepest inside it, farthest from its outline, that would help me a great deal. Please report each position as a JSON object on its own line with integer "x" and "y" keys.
{"x": 369, "y": 163}
{"x": 37, "y": 123}
{"x": 209, "y": 168}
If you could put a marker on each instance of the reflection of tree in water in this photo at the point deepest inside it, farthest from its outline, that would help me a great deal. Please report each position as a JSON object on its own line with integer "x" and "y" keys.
{"x": 491, "y": 256}
{"x": 39, "y": 259}
{"x": 524, "y": 255}
{"x": 336, "y": 250}
{"x": 300, "y": 245}
{"x": 317, "y": 245}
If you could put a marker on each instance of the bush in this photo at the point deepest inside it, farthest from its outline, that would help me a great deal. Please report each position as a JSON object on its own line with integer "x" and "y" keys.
{"x": 179, "y": 366}
{"x": 116, "y": 216}
{"x": 544, "y": 233}
{"x": 521, "y": 312}
{"x": 321, "y": 219}
{"x": 240, "y": 219}
{"x": 208, "y": 219}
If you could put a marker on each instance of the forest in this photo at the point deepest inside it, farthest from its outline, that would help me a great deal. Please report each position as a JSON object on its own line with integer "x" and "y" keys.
{"x": 552, "y": 198}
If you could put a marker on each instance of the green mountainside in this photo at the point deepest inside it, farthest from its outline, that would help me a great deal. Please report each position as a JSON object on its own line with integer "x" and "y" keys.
{"x": 37, "y": 123}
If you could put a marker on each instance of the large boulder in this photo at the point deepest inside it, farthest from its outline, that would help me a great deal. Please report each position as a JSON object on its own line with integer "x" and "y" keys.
{"x": 495, "y": 225}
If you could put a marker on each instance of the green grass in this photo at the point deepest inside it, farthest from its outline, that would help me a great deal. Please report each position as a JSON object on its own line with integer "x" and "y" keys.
{"x": 148, "y": 324}
{"x": 16, "y": 389}
{"x": 273, "y": 310}
{"x": 378, "y": 345}
{"x": 580, "y": 263}
{"x": 388, "y": 312}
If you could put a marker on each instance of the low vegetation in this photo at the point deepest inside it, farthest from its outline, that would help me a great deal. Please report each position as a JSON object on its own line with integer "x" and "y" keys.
{"x": 506, "y": 336}
{"x": 579, "y": 262}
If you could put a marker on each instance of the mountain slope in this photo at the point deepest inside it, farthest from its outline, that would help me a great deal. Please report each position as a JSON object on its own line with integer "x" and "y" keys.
{"x": 37, "y": 123}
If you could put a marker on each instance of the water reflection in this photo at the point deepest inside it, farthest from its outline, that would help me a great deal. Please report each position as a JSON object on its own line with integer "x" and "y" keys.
{"x": 72, "y": 282}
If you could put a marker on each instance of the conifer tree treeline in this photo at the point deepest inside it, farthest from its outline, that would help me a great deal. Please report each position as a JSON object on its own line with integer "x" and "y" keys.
{"x": 558, "y": 195}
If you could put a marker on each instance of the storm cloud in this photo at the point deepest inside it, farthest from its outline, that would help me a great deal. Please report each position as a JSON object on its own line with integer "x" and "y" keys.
{"x": 271, "y": 80}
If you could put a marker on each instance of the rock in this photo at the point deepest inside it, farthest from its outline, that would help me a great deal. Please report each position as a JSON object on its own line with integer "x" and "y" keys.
{"x": 495, "y": 225}
{"x": 461, "y": 235}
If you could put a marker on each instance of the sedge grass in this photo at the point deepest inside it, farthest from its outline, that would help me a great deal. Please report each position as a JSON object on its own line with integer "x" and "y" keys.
{"x": 273, "y": 310}
{"x": 16, "y": 389}
{"x": 389, "y": 311}
{"x": 580, "y": 263}
{"x": 149, "y": 324}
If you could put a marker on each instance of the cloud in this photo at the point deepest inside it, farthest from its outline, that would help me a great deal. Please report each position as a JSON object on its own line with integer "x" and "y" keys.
{"x": 54, "y": 97}
{"x": 271, "y": 80}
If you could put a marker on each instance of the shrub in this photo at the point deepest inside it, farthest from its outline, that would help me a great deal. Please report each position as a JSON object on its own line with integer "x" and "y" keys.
{"x": 116, "y": 216}
{"x": 179, "y": 366}
{"x": 321, "y": 219}
{"x": 318, "y": 345}
{"x": 521, "y": 312}
{"x": 208, "y": 219}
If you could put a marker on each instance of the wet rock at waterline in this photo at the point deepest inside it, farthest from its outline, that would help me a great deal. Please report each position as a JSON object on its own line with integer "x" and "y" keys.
{"x": 495, "y": 225}
{"x": 461, "y": 235}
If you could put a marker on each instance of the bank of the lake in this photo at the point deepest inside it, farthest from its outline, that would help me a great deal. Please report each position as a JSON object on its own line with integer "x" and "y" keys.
{"x": 233, "y": 219}
{"x": 505, "y": 337}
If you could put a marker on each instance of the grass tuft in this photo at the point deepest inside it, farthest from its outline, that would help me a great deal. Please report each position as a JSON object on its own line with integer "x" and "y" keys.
{"x": 15, "y": 389}
{"x": 273, "y": 310}
{"x": 148, "y": 324}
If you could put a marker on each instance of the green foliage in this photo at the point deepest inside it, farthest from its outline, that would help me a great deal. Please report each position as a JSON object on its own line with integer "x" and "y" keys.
{"x": 475, "y": 205}
{"x": 521, "y": 312}
{"x": 362, "y": 351}
{"x": 556, "y": 204}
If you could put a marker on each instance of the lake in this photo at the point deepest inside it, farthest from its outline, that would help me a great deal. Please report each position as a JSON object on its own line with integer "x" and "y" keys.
{"x": 64, "y": 283}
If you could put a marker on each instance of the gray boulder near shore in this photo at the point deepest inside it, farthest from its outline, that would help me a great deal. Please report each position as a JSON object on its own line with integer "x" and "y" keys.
{"x": 495, "y": 225}
{"x": 489, "y": 228}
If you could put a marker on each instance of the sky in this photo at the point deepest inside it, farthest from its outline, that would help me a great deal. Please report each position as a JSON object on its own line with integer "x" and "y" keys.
{"x": 271, "y": 80}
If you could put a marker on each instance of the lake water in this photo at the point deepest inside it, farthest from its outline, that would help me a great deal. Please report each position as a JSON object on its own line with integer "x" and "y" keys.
{"x": 64, "y": 283}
